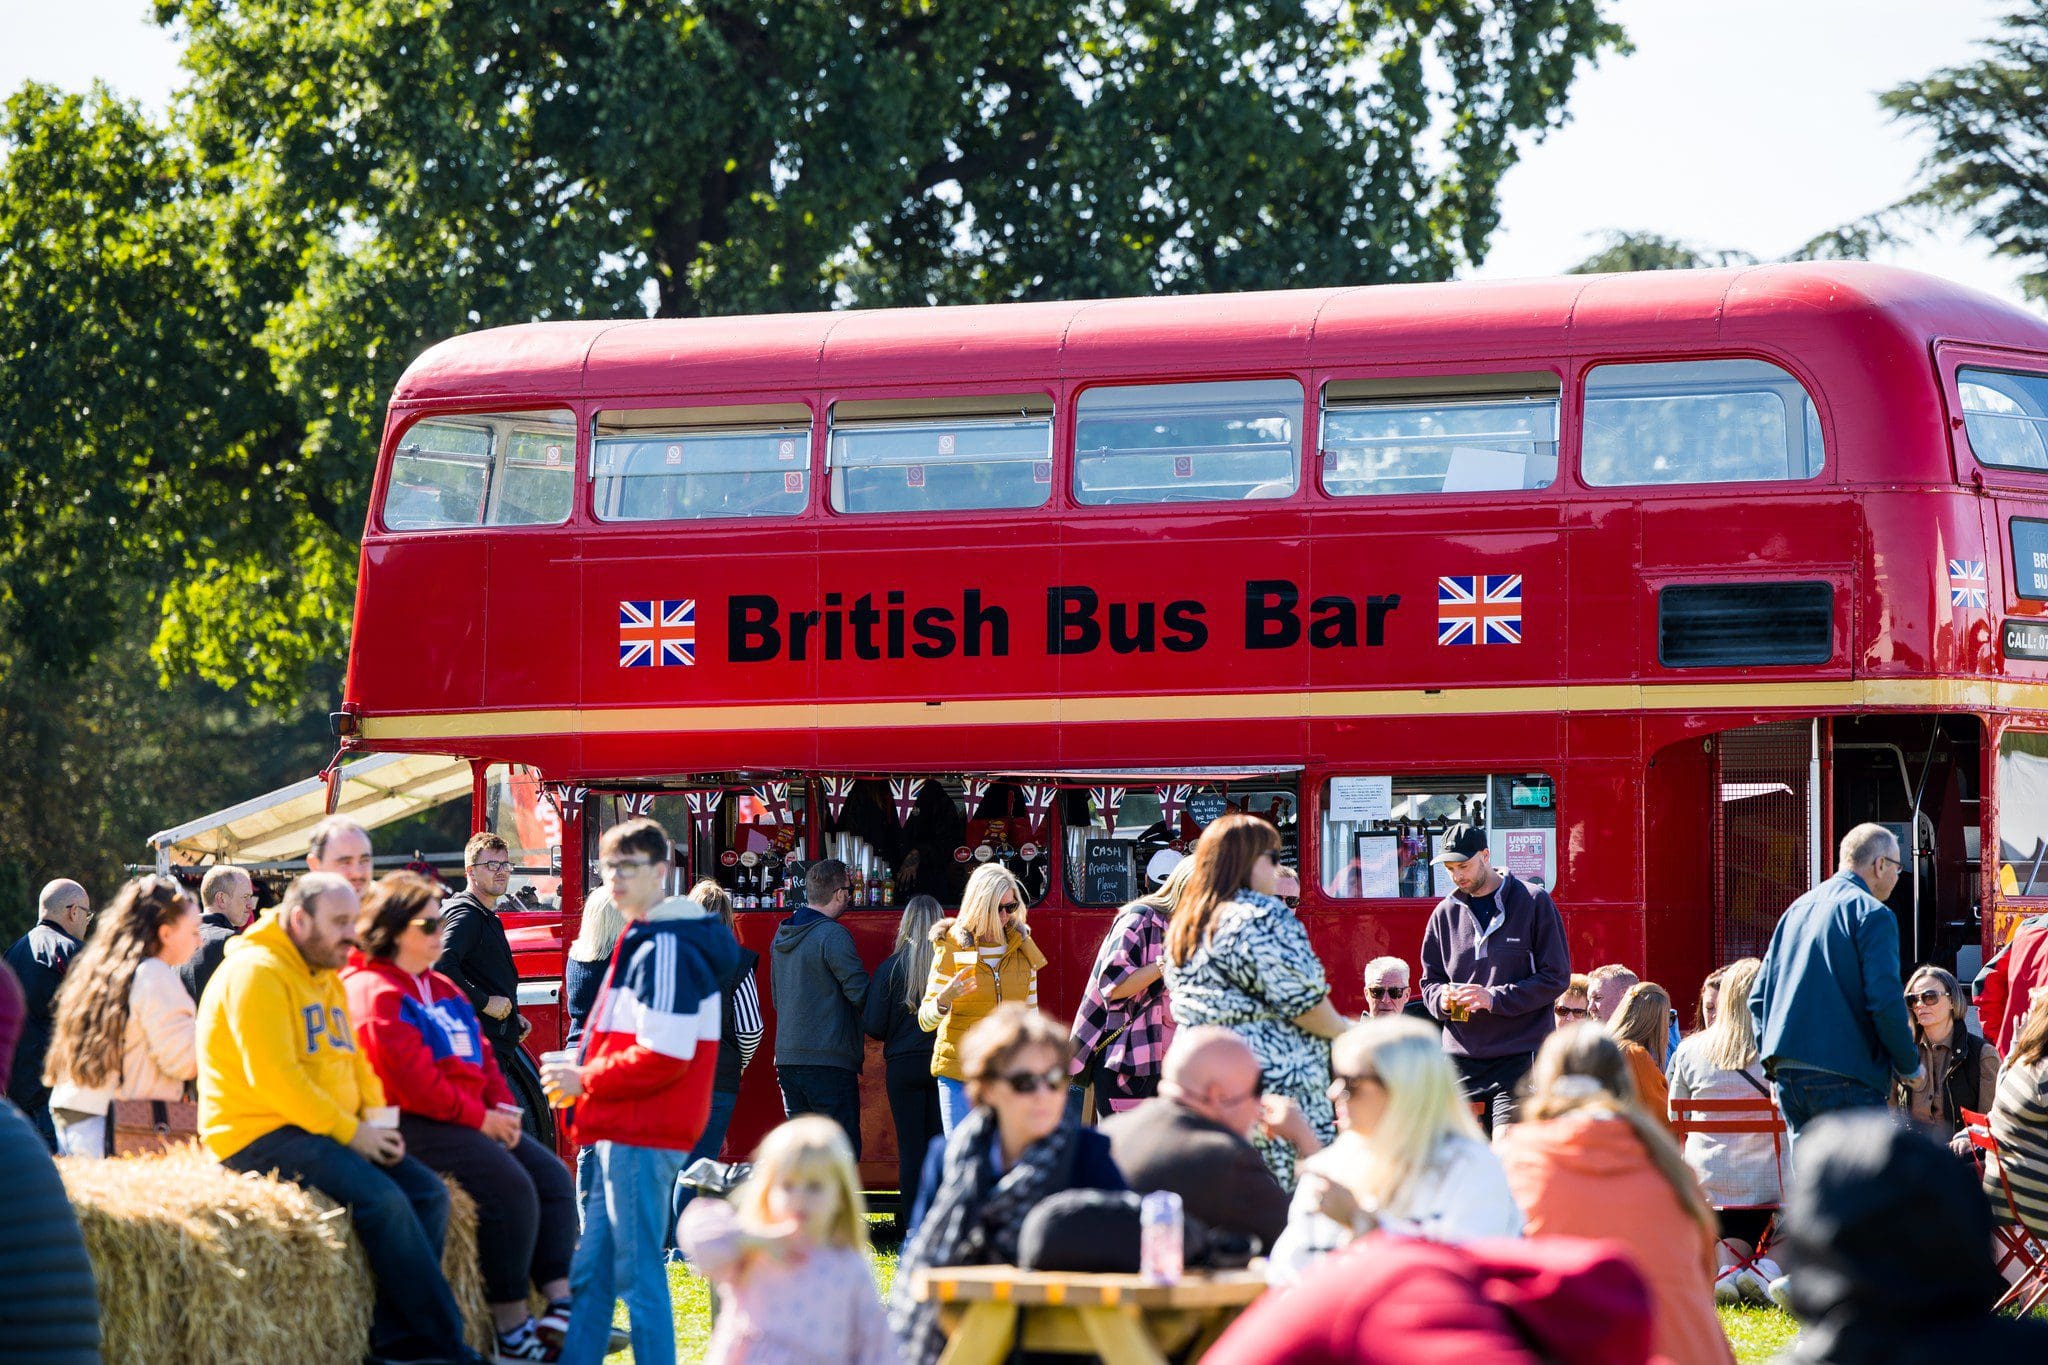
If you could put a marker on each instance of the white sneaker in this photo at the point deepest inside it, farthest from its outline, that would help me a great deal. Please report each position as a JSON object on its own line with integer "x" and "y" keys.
{"x": 1753, "y": 1288}
{"x": 1781, "y": 1292}
{"x": 1727, "y": 1286}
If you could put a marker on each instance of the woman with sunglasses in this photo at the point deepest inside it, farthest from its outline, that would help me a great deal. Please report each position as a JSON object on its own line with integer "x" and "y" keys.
{"x": 1575, "y": 1006}
{"x": 1009, "y": 1152}
{"x": 981, "y": 958}
{"x": 125, "y": 1028}
{"x": 1409, "y": 1156}
{"x": 1958, "y": 1069}
{"x": 422, "y": 1037}
{"x": 1237, "y": 957}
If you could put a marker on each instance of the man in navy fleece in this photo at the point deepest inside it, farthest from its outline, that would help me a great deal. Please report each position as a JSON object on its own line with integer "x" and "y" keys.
{"x": 1494, "y": 960}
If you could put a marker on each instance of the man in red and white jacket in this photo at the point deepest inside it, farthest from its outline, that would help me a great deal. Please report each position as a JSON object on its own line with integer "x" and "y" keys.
{"x": 642, "y": 1091}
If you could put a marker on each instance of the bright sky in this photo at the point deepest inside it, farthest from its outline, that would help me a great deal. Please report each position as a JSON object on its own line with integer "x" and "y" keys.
{"x": 1743, "y": 124}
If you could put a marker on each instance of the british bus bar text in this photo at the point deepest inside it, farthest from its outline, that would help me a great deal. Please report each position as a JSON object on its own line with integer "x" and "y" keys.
{"x": 1077, "y": 621}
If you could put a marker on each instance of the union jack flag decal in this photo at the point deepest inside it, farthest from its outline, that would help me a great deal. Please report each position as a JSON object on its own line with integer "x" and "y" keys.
{"x": 1173, "y": 799}
{"x": 1107, "y": 801}
{"x": 1484, "y": 609}
{"x": 658, "y": 634}
{"x": 633, "y": 804}
{"x": 1966, "y": 583}
{"x": 704, "y": 806}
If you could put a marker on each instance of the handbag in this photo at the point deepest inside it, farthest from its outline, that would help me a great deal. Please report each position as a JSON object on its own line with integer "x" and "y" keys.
{"x": 148, "y": 1127}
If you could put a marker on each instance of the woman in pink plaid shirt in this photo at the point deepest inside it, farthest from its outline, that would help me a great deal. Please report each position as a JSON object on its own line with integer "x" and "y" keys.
{"x": 1124, "y": 1023}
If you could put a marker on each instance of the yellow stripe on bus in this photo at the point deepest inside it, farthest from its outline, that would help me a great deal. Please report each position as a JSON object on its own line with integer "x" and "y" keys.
{"x": 1928, "y": 694}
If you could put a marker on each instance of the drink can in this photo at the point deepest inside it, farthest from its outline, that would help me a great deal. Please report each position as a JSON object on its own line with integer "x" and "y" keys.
{"x": 1160, "y": 1229}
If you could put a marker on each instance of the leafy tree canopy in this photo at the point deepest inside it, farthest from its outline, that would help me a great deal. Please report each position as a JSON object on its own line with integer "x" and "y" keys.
{"x": 1853, "y": 241}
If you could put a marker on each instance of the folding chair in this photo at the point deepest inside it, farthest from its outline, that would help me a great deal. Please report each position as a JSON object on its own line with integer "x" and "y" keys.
{"x": 2018, "y": 1241}
{"x": 1755, "y": 1116}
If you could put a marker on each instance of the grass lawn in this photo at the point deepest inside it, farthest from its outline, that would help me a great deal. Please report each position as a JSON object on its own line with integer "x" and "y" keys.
{"x": 1758, "y": 1334}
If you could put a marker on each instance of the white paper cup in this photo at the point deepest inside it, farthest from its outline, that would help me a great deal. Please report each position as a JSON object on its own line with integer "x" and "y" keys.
{"x": 381, "y": 1116}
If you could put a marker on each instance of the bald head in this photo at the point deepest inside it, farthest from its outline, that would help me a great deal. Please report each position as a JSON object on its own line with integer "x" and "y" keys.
{"x": 1211, "y": 1071}
{"x": 65, "y": 904}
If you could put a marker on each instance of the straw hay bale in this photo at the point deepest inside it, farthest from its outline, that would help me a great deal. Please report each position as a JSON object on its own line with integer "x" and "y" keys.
{"x": 197, "y": 1263}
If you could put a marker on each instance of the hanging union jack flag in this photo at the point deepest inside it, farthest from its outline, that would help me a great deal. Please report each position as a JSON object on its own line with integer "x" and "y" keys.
{"x": 1484, "y": 609}
{"x": 1966, "y": 582}
{"x": 658, "y": 634}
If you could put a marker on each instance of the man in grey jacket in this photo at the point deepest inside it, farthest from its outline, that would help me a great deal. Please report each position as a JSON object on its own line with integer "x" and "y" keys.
{"x": 818, "y": 989}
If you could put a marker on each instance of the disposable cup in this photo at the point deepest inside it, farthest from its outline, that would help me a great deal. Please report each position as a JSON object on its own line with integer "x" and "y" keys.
{"x": 381, "y": 1116}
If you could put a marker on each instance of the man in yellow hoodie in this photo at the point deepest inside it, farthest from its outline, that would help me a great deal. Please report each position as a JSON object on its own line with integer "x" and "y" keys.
{"x": 284, "y": 1089}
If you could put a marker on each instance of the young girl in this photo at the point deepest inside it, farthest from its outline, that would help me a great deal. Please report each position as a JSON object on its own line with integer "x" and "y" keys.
{"x": 789, "y": 1256}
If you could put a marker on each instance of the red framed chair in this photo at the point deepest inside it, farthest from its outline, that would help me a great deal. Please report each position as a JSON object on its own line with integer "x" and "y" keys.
{"x": 2017, "y": 1242}
{"x": 1745, "y": 1116}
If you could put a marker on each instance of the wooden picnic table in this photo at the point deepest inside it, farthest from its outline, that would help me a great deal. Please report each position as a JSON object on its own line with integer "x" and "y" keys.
{"x": 1120, "y": 1319}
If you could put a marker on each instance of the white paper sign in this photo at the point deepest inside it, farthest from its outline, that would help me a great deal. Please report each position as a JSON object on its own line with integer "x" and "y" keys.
{"x": 1476, "y": 470}
{"x": 1379, "y": 865}
{"x": 1361, "y": 800}
{"x": 1440, "y": 882}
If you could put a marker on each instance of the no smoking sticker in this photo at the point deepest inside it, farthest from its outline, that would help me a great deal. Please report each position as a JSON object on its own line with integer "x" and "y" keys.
{"x": 792, "y": 482}
{"x": 1183, "y": 466}
{"x": 914, "y": 475}
{"x": 675, "y": 455}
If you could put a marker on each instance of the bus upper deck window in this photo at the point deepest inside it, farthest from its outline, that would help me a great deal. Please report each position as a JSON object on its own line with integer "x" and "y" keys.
{"x": 482, "y": 469}
{"x": 950, "y": 455}
{"x": 2005, "y": 416}
{"x": 1378, "y": 439}
{"x": 1204, "y": 442}
{"x": 682, "y": 464}
{"x": 1698, "y": 421}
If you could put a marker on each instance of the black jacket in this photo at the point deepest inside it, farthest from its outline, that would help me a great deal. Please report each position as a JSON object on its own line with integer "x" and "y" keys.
{"x": 1963, "y": 1084}
{"x": 39, "y": 958}
{"x": 477, "y": 957}
{"x": 1217, "y": 1173}
{"x": 1888, "y": 1243}
{"x": 887, "y": 1019}
{"x": 51, "y": 1310}
{"x": 581, "y": 981}
{"x": 214, "y": 932}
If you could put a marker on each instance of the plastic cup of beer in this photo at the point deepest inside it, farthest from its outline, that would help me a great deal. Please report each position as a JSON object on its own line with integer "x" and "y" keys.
{"x": 549, "y": 1060}
{"x": 381, "y": 1116}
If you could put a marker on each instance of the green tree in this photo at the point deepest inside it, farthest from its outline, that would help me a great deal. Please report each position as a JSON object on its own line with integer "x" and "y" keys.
{"x": 1989, "y": 162}
{"x": 1852, "y": 241}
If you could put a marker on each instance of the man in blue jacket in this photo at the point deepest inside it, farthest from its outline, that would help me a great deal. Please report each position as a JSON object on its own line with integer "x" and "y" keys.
{"x": 1494, "y": 960}
{"x": 1829, "y": 1004}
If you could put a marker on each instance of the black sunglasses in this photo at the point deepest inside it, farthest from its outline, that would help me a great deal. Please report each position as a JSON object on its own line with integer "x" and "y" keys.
{"x": 1927, "y": 997}
{"x": 1386, "y": 992}
{"x": 430, "y": 923}
{"x": 1031, "y": 1082}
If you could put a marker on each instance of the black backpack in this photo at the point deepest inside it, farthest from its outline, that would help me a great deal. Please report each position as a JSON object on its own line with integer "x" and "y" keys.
{"x": 1098, "y": 1231}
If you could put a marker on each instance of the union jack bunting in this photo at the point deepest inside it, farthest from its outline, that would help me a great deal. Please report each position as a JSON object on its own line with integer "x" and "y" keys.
{"x": 775, "y": 796}
{"x": 1479, "y": 609}
{"x": 973, "y": 788}
{"x": 704, "y": 807}
{"x": 1966, "y": 583}
{"x": 903, "y": 795}
{"x": 1107, "y": 800}
{"x": 1038, "y": 799}
{"x": 563, "y": 796}
{"x": 659, "y": 633}
{"x": 1173, "y": 799}
{"x": 632, "y": 804}
{"x": 837, "y": 789}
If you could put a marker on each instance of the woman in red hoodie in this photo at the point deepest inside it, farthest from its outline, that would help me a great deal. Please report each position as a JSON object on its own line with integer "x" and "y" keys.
{"x": 457, "y": 1115}
{"x": 1587, "y": 1162}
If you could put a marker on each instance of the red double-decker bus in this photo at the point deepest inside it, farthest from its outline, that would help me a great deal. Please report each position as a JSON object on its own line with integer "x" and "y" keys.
{"x": 1666, "y": 579}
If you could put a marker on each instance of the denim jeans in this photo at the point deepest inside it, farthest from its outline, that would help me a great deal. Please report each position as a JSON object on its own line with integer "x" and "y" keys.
{"x": 954, "y": 1106}
{"x": 400, "y": 1215}
{"x": 707, "y": 1148}
{"x": 85, "y": 1137}
{"x": 1804, "y": 1094}
{"x": 620, "y": 1256}
{"x": 833, "y": 1091}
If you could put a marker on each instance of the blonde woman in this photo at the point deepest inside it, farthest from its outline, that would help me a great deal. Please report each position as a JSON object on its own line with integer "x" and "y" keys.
{"x": 982, "y": 958}
{"x": 125, "y": 1028}
{"x": 1642, "y": 1026}
{"x": 1409, "y": 1157}
{"x": 890, "y": 1018}
{"x": 1742, "y": 1174}
{"x": 1237, "y": 957}
{"x": 1586, "y": 1161}
{"x": 1123, "y": 1027}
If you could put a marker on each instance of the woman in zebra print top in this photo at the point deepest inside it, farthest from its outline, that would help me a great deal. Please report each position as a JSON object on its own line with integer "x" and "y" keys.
{"x": 2019, "y": 1120}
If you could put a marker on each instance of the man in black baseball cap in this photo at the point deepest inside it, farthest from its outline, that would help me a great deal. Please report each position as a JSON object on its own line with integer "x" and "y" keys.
{"x": 1494, "y": 960}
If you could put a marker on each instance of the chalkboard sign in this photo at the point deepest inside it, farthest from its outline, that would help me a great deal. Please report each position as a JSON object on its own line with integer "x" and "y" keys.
{"x": 1207, "y": 807}
{"x": 1108, "y": 871}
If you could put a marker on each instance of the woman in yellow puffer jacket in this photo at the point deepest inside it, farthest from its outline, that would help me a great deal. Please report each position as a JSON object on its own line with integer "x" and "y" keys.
{"x": 982, "y": 958}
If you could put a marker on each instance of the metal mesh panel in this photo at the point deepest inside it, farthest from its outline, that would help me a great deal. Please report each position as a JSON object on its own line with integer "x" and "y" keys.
{"x": 1762, "y": 856}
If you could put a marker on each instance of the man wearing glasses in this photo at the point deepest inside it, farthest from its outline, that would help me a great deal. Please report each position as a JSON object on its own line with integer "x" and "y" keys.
{"x": 475, "y": 952}
{"x": 1830, "y": 1009}
{"x": 39, "y": 958}
{"x": 227, "y": 902}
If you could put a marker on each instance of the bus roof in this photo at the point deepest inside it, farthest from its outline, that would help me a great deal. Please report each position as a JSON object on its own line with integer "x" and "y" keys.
{"x": 1857, "y": 312}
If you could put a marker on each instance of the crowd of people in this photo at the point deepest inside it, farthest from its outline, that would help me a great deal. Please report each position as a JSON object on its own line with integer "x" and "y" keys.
{"x": 1492, "y": 1120}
